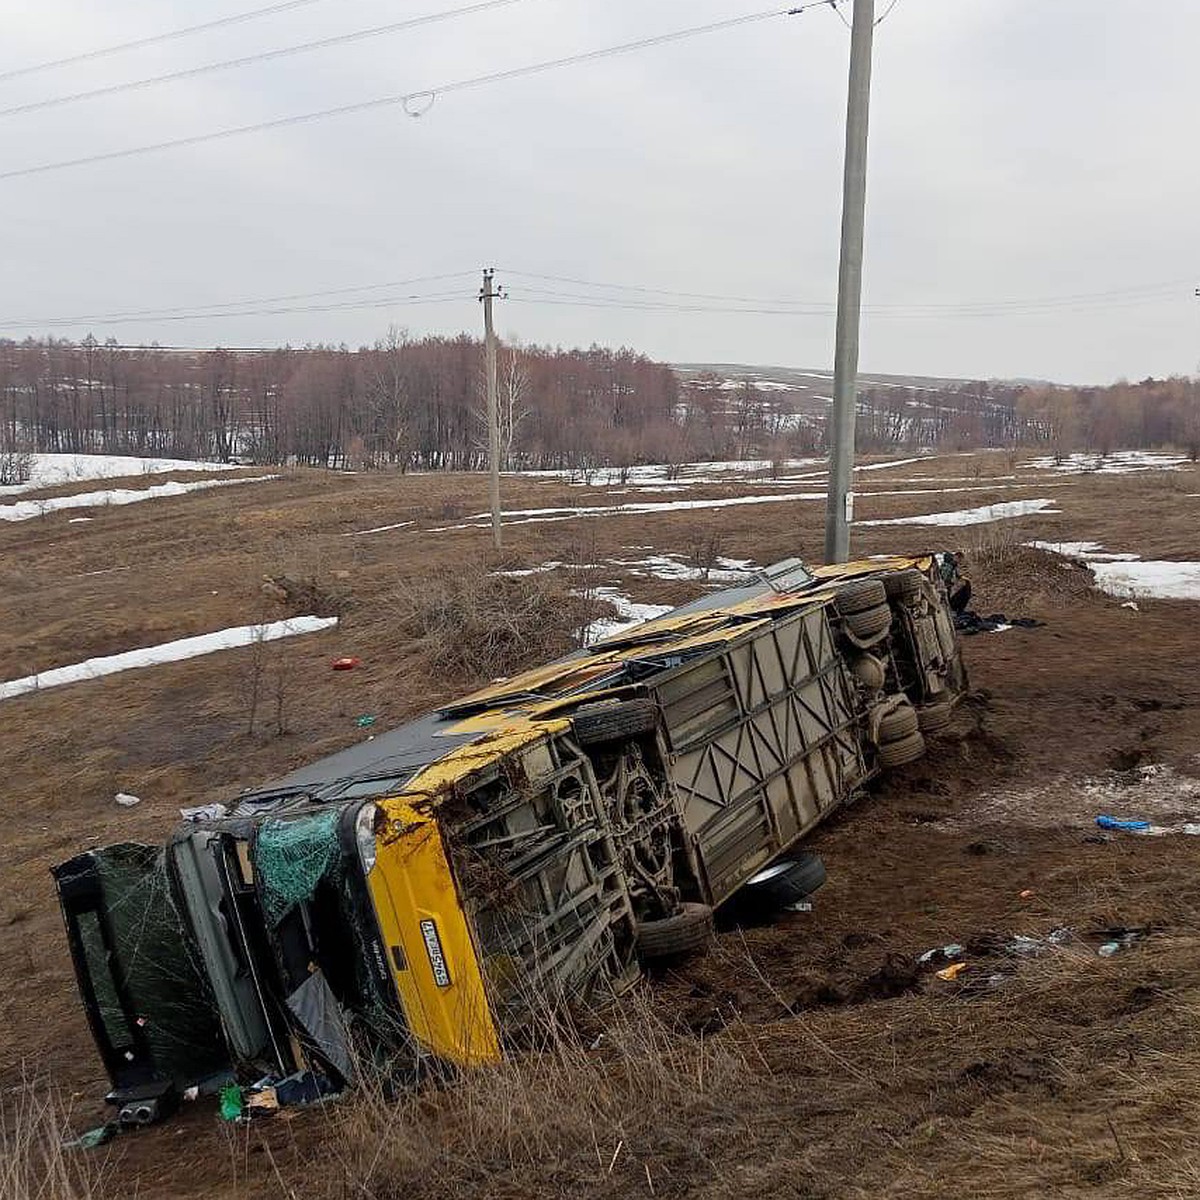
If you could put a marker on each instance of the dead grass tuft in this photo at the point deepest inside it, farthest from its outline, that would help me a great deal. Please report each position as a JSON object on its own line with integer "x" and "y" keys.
{"x": 34, "y": 1162}
{"x": 473, "y": 625}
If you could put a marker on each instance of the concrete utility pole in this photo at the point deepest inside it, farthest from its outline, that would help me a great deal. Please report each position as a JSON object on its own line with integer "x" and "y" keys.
{"x": 840, "y": 500}
{"x": 487, "y": 295}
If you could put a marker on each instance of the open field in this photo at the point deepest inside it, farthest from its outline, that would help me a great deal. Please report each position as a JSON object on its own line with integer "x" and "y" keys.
{"x": 806, "y": 1058}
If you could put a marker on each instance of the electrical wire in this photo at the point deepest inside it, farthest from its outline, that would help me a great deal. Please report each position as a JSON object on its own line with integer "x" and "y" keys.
{"x": 1140, "y": 293}
{"x": 887, "y": 12}
{"x": 407, "y": 99}
{"x": 156, "y": 39}
{"x": 524, "y": 296}
{"x": 643, "y": 299}
{"x": 350, "y": 306}
{"x": 201, "y": 309}
{"x": 263, "y": 56}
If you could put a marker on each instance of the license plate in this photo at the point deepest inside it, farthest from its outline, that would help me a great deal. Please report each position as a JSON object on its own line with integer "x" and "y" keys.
{"x": 433, "y": 947}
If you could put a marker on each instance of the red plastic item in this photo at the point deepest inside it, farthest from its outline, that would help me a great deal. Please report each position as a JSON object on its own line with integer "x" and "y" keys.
{"x": 345, "y": 664}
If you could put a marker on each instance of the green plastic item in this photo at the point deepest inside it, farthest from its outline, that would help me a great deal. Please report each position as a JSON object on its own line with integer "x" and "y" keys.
{"x": 93, "y": 1138}
{"x": 231, "y": 1102}
{"x": 365, "y": 721}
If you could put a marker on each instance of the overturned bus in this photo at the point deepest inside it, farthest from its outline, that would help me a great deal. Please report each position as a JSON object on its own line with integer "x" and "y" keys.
{"x": 432, "y": 896}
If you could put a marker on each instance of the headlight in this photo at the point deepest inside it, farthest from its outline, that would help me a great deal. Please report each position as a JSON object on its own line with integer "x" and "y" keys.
{"x": 364, "y": 835}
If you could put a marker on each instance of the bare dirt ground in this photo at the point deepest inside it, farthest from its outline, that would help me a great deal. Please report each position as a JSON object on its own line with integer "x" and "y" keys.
{"x": 809, "y": 1057}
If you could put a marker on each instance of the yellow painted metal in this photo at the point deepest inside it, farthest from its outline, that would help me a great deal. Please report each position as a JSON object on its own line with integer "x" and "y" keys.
{"x": 864, "y": 566}
{"x": 420, "y": 911}
{"x": 421, "y": 917}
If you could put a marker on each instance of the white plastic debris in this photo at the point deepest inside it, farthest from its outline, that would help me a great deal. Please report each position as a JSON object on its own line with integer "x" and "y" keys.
{"x": 126, "y": 800}
{"x": 1131, "y": 604}
{"x": 204, "y": 812}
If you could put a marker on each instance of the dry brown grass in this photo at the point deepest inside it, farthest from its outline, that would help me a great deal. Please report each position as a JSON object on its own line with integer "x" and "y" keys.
{"x": 34, "y": 1163}
{"x": 625, "y": 1110}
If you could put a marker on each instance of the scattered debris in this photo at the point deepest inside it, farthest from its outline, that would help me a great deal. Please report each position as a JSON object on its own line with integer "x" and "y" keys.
{"x": 345, "y": 664}
{"x": 366, "y": 721}
{"x": 264, "y": 1100}
{"x": 1131, "y": 604}
{"x": 204, "y": 812}
{"x": 94, "y": 1137}
{"x": 942, "y": 953}
{"x": 1026, "y": 894}
{"x": 232, "y": 1107}
{"x": 952, "y": 972}
{"x": 968, "y": 623}
{"x": 1108, "y": 949}
{"x": 1133, "y": 826}
{"x": 126, "y": 800}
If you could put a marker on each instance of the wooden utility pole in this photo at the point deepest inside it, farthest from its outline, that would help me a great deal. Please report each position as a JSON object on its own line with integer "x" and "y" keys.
{"x": 487, "y": 294}
{"x": 840, "y": 507}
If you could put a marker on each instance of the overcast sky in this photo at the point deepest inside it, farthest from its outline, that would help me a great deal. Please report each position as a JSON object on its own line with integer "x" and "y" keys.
{"x": 1021, "y": 151}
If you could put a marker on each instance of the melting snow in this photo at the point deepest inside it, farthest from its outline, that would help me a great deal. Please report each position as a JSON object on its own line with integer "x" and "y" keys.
{"x": 377, "y": 529}
{"x": 537, "y": 516}
{"x": 26, "y": 510}
{"x": 1158, "y": 580}
{"x": 672, "y": 566}
{"x": 1127, "y": 576}
{"x": 1120, "y": 462}
{"x": 630, "y": 613}
{"x": 166, "y": 652}
{"x": 1091, "y": 551}
{"x": 55, "y": 470}
{"x": 972, "y": 516}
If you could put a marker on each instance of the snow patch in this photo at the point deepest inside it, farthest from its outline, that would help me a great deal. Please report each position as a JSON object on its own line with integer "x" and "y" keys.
{"x": 629, "y": 614}
{"x": 1156, "y": 580}
{"x": 57, "y": 470}
{"x": 377, "y": 529}
{"x": 165, "y": 652}
{"x": 538, "y": 516}
{"x": 1127, "y": 576}
{"x": 1120, "y": 462}
{"x": 26, "y": 510}
{"x": 1005, "y": 510}
{"x": 672, "y": 566}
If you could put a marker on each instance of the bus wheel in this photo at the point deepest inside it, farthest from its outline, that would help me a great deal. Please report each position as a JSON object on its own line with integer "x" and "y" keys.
{"x": 684, "y": 932}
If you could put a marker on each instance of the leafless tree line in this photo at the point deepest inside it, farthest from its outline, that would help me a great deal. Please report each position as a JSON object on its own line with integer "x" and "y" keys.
{"x": 418, "y": 404}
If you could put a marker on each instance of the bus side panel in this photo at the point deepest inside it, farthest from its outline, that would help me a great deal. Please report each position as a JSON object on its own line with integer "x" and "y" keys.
{"x": 778, "y": 746}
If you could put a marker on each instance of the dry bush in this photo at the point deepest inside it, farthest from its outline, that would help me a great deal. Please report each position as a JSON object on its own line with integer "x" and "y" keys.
{"x": 34, "y": 1163}
{"x": 474, "y": 625}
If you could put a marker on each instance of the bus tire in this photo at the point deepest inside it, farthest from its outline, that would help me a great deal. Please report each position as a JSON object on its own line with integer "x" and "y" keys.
{"x": 684, "y": 932}
{"x": 609, "y": 722}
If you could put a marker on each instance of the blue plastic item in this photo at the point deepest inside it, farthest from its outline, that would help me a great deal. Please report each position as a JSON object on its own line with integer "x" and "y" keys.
{"x": 1117, "y": 823}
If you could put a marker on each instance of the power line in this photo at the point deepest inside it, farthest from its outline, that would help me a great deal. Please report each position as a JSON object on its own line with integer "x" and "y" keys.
{"x": 351, "y": 306}
{"x": 887, "y": 12}
{"x": 426, "y": 94}
{"x": 607, "y": 302}
{"x": 155, "y": 39}
{"x": 644, "y": 299}
{"x": 263, "y": 56}
{"x": 1140, "y": 293}
{"x": 82, "y": 318}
